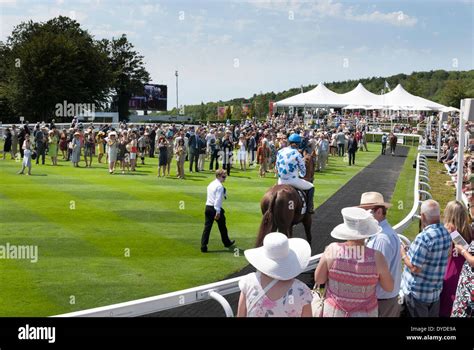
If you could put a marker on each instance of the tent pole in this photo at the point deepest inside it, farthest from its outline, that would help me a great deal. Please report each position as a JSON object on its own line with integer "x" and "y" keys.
{"x": 460, "y": 158}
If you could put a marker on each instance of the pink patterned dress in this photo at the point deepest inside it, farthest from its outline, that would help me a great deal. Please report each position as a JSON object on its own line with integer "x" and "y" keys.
{"x": 350, "y": 290}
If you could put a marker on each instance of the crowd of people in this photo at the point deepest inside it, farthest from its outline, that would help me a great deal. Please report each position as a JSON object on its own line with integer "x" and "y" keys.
{"x": 244, "y": 146}
{"x": 363, "y": 274}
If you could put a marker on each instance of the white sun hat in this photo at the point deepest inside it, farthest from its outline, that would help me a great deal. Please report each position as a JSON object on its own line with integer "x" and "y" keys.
{"x": 279, "y": 257}
{"x": 358, "y": 224}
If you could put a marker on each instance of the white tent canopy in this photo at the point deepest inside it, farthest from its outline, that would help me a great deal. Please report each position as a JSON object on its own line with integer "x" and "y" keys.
{"x": 320, "y": 96}
{"x": 398, "y": 98}
{"x": 354, "y": 107}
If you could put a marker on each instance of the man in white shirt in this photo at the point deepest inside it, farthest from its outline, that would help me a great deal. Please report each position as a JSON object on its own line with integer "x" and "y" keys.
{"x": 387, "y": 243}
{"x": 214, "y": 211}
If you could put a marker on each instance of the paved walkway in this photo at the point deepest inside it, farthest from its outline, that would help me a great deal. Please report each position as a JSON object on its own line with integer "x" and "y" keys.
{"x": 381, "y": 176}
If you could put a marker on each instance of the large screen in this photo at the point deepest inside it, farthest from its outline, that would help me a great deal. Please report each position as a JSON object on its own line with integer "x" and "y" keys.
{"x": 154, "y": 98}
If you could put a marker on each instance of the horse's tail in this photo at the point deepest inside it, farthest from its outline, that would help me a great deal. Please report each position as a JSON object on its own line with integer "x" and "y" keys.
{"x": 267, "y": 220}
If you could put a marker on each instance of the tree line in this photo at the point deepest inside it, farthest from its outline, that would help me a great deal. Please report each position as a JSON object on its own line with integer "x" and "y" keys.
{"x": 445, "y": 87}
{"x": 45, "y": 64}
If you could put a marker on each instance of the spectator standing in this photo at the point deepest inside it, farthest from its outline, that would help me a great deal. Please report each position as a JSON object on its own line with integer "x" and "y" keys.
{"x": 227, "y": 149}
{"x": 456, "y": 218}
{"x": 14, "y": 141}
{"x": 89, "y": 147}
{"x": 180, "y": 152}
{"x": 384, "y": 143}
{"x": 53, "y": 147}
{"x": 27, "y": 153}
{"x": 425, "y": 264}
{"x": 76, "y": 149}
{"x": 112, "y": 150}
{"x": 242, "y": 154}
{"x": 341, "y": 142}
{"x": 214, "y": 149}
{"x": 463, "y": 305}
{"x": 263, "y": 154}
{"x": 393, "y": 143}
{"x": 193, "y": 151}
{"x": 163, "y": 155}
{"x": 7, "y": 146}
{"x": 352, "y": 149}
{"x": 274, "y": 291}
{"x": 40, "y": 145}
{"x": 388, "y": 244}
{"x": 352, "y": 271}
{"x": 133, "y": 150}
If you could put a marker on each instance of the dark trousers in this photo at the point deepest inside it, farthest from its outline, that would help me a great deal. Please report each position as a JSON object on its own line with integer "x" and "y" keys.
{"x": 393, "y": 147}
{"x": 416, "y": 308}
{"x": 193, "y": 158}
{"x": 340, "y": 149}
{"x": 214, "y": 157}
{"x": 41, "y": 151}
{"x": 384, "y": 147}
{"x": 210, "y": 213}
{"x": 352, "y": 157}
{"x": 226, "y": 167}
{"x": 152, "y": 149}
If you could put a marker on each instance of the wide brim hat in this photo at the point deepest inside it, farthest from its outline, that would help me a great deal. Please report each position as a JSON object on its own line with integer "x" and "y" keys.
{"x": 279, "y": 257}
{"x": 358, "y": 224}
{"x": 113, "y": 133}
{"x": 77, "y": 134}
{"x": 373, "y": 199}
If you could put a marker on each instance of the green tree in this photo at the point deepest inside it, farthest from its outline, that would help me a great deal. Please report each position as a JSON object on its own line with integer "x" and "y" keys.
{"x": 453, "y": 92}
{"x": 128, "y": 70}
{"x": 228, "y": 113}
{"x": 49, "y": 63}
{"x": 237, "y": 112}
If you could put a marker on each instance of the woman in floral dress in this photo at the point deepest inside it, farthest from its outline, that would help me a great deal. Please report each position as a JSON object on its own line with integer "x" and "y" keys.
{"x": 463, "y": 305}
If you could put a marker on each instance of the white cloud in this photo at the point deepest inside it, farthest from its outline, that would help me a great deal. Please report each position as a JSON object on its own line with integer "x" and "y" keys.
{"x": 329, "y": 8}
{"x": 394, "y": 18}
{"x": 152, "y": 9}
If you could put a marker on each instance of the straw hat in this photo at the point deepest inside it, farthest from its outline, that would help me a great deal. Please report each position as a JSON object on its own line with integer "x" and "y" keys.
{"x": 279, "y": 257}
{"x": 358, "y": 224}
{"x": 77, "y": 133}
{"x": 373, "y": 199}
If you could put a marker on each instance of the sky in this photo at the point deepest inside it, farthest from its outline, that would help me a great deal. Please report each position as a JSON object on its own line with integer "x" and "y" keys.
{"x": 236, "y": 48}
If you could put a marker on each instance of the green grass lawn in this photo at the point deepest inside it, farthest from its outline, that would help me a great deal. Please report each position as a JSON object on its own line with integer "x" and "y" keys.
{"x": 402, "y": 198}
{"x": 105, "y": 239}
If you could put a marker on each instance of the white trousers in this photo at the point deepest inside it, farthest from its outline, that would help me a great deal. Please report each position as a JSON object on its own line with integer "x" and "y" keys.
{"x": 296, "y": 182}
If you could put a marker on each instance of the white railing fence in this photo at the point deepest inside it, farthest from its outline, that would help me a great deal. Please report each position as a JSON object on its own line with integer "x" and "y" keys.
{"x": 218, "y": 290}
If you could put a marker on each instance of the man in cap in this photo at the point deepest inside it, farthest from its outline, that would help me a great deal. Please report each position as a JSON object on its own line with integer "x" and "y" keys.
{"x": 387, "y": 243}
{"x": 290, "y": 166}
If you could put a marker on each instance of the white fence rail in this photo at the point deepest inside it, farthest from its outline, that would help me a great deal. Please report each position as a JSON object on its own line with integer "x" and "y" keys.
{"x": 217, "y": 290}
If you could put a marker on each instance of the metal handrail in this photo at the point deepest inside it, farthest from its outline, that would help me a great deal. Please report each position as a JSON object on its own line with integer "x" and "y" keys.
{"x": 426, "y": 193}
{"x": 422, "y": 183}
{"x": 217, "y": 290}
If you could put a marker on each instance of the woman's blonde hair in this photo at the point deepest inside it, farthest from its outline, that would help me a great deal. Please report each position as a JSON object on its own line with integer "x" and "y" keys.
{"x": 457, "y": 215}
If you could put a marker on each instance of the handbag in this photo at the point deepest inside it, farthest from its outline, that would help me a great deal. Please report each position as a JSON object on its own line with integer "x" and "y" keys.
{"x": 317, "y": 305}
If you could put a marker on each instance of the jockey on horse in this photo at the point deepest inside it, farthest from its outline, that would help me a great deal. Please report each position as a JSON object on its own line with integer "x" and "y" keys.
{"x": 290, "y": 166}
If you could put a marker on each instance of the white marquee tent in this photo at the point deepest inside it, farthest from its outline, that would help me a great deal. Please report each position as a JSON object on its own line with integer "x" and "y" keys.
{"x": 397, "y": 99}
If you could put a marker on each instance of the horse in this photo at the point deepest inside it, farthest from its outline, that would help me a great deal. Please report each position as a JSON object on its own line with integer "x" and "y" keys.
{"x": 281, "y": 208}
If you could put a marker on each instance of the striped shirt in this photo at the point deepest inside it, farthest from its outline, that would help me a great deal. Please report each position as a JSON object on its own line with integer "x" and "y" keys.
{"x": 429, "y": 252}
